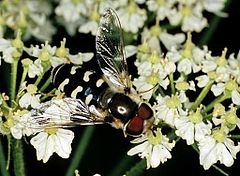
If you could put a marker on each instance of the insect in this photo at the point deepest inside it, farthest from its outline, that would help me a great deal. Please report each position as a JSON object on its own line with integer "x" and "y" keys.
{"x": 97, "y": 98}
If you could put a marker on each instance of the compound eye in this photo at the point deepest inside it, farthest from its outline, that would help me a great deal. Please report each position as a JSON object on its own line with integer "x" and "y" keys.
{"x": 144, "y": 111}
{"x": 135, "y": 126}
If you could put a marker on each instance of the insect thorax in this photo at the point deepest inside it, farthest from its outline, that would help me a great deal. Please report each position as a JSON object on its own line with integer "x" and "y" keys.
{"x": 78, "y": 82}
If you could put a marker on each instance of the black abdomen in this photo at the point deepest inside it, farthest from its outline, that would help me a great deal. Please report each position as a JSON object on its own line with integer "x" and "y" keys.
{"x": 77, "y": 82}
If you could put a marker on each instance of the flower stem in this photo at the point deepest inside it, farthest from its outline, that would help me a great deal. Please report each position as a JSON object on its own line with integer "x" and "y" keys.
{"x": 51, "y": 93}
{"x": 138, "y": 169}
{"x": 80, "y": 150}
{"x": 217, "y": 100}
{"x": 13, "y": 80}
{"x": 202, "y": 95}
{"x": 220, "y": 170}
{"x": 24, "y": 74}
{"x": 18, "y": 159}
{"x": 39, "y": 79}
{"x": 235, "y": 136}
{"x": 172, "y": 84}
{"x": 3, "y": 169}
{"x": 46, "y": 84}
{"x": 9, "y": 138}
{"x": 124, "y": 163}
{"x": 4, "y": 106}
{"x": 213, "y": 25}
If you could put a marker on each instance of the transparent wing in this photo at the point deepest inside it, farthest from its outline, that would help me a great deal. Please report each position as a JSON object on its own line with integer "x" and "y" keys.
{"x": 110, "y": 51}
{"x": 67, "y": 112}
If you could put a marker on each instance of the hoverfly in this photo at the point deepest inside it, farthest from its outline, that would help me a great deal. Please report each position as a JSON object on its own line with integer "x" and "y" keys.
{"x": 107, "y": 97}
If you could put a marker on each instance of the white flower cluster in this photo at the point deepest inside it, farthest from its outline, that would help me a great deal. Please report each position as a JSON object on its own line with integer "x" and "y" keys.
{"x": 193, "y": 93}
{"x": 33, "y": 17}
{"x": 178, "y": 102}
{"x": 39, "y": 62}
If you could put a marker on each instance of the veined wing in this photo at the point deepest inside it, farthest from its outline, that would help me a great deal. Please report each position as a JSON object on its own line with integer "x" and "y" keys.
{"x": 66, "y": 112}
{"x": 110, "y": 51}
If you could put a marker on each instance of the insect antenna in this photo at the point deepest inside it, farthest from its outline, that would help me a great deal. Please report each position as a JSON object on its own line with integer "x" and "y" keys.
{"x": 145, "y": 91}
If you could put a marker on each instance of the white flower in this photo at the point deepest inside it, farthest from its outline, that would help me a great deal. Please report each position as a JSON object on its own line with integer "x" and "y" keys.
{"x": 154, "y": 146}
{"x": 35, "y": 69}
{"x": 132, "y": 17}
{"x": 230, "y": 88}
{"x": 162, "y": 8}
{"x": 21, "y": 124}
{"x": 32, "y": 17}
{"x": 152, "y": 72}
{"x": 79, "y": 58}
{"x": 155, "y": 35}
{"x": 90, "y": 26}
{"x": 169, "y": 108}
{"x": 234, "y": 64}
{"x": 70, "y": 11}
{"x": 215, "y": 6}
{"x": 53, "y": 140}
{"x": 202, "y": 80}
{"x": 6, "y": 50}
{"x": 191, "y": 127}
{"x": 217, "y": 147}
{"x": 30, "y": 97}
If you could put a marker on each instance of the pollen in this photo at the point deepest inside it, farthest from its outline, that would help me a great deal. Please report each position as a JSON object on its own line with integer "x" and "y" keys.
{"x": 187, "y": 52}
{"x": 26, "y": 61}
{"x": 132, "y": 8}
{"x": 218, "y": 110}
{"x": 32, "y": 89}
{"x": 231, "y": 117}
{"x": 196, "y": 117}
{"x": 152, "y": 79}
{"x": 186, "y": 11}
{"x": 51, "y": 131}
{"x": 154, "y": 58}
{"x": 62, "y": 51}
{"x": 219, "y": 135}
{"x": 173, "y": 102}
{"x": 45, "y": 55}
{"x": 155, "y": 30}
{"x": 182, "y": 85}
{"x": 155, "y": 137}
{"x": 222, "y": 61}
{"x": 17, "y": 42}
{"x": 231, "y": 85}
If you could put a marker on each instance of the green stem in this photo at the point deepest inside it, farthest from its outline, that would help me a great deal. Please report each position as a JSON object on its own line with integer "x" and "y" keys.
{"x": 220, "y": 170}
{"x": 80, "y": 150}
{"x": 3, "y": 169}
{"x": 18, "y": 159}
{"x": 13, "y": 80}
{"x": 39, "y": 79}
{"x": 4, "y": 106}
{"x": 202, "y": 95}
{"x": 24, "y": 74}
{"x": 9, "y": 138}
{"x": 46, "y": 84}
{"x": 138, "y": 169}
{"x": 213, "y": 25}
{"x": 235, "y": 136}
{"x": 172, "y": 84}
{"x": 219, "y": 99}
{"x": 47, "y": 95}
{"x": 160, "y": 90}
{"x": 124, "y": 163}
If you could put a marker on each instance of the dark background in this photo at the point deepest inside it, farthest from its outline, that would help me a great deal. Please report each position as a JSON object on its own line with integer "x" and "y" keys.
{"x": 107, "y": 147}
